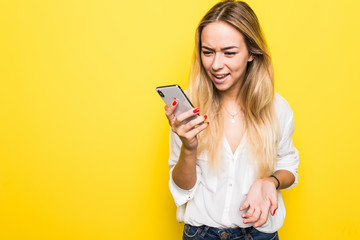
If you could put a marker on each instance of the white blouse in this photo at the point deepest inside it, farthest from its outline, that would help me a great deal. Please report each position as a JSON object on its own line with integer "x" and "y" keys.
{"x": 216, "y": 198}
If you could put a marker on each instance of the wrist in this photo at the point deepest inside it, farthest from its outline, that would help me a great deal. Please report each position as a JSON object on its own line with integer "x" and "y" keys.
{"x": 276, "y": 181}
{"x": 271, "y": 180}
{"x": 188, "y": 155}
{"x": 189, "y": 150}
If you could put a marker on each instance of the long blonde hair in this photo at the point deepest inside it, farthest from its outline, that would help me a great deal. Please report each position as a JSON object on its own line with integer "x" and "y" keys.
{"x": 256, "y": 94}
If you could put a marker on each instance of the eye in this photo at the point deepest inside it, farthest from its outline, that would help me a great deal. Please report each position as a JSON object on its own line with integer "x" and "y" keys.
{"x": 207, "y": 53}
{"x": 230, "y": 54}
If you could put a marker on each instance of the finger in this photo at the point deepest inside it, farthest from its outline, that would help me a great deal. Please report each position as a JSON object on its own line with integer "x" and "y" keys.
{"x": 249, "y": 213}
{"x": 245, "y": 205}
{"x": 192, "y": 133}
{"x": 195, "y": 122}
{"x": 187, "y": 114}
{"x": 263, "y": 218}
{"x": 170, "y": 109}
{"x": 172, "y": 121}
{"x": 273, "y": 210}
{"x": 274, "y": 204}
{"x": 254, "y": 217}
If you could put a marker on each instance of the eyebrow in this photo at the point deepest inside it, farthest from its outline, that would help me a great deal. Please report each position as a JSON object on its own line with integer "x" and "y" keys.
{"x": 222, "y": 49}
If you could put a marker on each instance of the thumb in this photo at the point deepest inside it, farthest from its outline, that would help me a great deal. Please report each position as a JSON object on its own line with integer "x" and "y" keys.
{"x": 245, "y": 205}
{"x": 273, "y": 207}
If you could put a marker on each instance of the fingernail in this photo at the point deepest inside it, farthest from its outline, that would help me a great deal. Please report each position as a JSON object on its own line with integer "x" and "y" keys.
{"x": 208, "y": 123}
{"x": 196, "y": 110}
{"x": 205, "y": 116}
{"x": 274, "y": 212}
{"x": 174, "y": 103}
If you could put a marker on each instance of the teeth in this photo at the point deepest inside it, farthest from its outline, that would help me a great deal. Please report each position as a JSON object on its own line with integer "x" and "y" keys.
{"x": 221, "y": 76}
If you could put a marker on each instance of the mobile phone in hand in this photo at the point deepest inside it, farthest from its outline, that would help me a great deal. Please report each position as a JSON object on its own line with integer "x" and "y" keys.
{"x": 174, "y": 92}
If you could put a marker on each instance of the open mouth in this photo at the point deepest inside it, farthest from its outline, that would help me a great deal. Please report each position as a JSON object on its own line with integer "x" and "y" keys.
{"x": 219, "y": 78}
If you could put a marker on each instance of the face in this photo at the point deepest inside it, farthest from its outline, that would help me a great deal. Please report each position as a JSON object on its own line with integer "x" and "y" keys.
{"x": 224, "y": 56}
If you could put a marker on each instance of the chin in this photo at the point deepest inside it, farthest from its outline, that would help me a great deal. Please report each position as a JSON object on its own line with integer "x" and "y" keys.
{"x": 221, "y": 87}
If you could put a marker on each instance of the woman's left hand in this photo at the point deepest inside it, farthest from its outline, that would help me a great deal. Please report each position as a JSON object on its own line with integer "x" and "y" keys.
{"x": 261, "y": 198}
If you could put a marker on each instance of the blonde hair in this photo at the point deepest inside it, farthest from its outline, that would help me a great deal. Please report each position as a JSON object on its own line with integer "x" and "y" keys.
{"x": 256, "y": 95}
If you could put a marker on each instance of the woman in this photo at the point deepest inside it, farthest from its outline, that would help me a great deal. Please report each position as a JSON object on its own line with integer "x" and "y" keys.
{"x": 228, "y": 165}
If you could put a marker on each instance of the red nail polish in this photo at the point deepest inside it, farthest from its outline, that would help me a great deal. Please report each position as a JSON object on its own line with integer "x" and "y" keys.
{"x": 205, "y": 116}
{"x": 196, "y": 110}
{"x": 208, "y": 123}
{"x": 174, "y": 103}
{"x": 274, "y": 212}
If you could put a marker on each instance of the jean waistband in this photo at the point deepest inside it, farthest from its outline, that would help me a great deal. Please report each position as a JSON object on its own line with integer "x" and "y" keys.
{"x": 224, "y": 231}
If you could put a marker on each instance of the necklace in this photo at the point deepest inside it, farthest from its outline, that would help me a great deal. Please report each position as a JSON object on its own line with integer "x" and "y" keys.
{"x": 232, "y": 115}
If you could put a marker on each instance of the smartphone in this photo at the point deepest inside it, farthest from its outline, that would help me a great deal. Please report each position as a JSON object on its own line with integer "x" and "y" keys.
{"x": 172, "y": 92}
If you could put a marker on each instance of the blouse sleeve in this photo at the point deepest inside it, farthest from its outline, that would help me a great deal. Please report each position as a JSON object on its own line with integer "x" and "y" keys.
{"x": 180, "y": 195}
{"x": 288, "y": 155}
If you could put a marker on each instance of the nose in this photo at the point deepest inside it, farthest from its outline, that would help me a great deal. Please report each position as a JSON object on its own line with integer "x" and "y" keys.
{"x": 218, "y": 62}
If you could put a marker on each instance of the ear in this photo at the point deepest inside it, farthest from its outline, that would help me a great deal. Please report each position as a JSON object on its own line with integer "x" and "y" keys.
{"x": 251, "y": 57}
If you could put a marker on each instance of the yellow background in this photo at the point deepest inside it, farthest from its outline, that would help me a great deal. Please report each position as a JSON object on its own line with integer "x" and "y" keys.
{"x": 84, "y": 139}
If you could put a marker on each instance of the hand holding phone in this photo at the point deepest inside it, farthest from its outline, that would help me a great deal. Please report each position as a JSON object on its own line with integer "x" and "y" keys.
{"x": 183, "y": 118}
{"x": 172, "y": 93}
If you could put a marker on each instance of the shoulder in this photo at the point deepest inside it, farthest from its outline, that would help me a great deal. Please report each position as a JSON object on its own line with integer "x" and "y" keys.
{"x": 283, "y": 110}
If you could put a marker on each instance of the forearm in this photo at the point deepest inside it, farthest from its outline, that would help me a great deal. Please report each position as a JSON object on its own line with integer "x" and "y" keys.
{"x": 286, "y": 178}
{"x": 184, "y": 173}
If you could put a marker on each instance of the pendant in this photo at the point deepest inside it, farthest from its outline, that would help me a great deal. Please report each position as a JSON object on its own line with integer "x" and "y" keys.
{"x": 232, "y": 119}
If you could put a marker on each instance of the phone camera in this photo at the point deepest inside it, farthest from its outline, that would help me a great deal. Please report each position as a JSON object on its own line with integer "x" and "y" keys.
{"x": 160, "y": 93}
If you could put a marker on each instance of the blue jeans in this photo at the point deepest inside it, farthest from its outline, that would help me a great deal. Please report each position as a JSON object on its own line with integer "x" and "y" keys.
{"x": 210, "y": 233}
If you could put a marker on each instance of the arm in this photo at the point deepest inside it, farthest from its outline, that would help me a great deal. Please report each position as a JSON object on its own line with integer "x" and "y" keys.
{"x": 262, "y": 196}
{"x": 285, "y": 177}
{"x": 184, "y": 172}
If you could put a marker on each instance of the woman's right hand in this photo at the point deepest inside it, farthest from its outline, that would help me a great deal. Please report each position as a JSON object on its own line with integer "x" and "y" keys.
{"x": 187, "y": 132}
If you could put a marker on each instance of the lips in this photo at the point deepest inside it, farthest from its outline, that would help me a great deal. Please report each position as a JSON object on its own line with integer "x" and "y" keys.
{"x": 220, "y": 78}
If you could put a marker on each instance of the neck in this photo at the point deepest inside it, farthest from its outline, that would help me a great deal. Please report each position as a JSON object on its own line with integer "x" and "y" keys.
{"x": 230, "y": 100}
{"x": 231, "y": 105}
